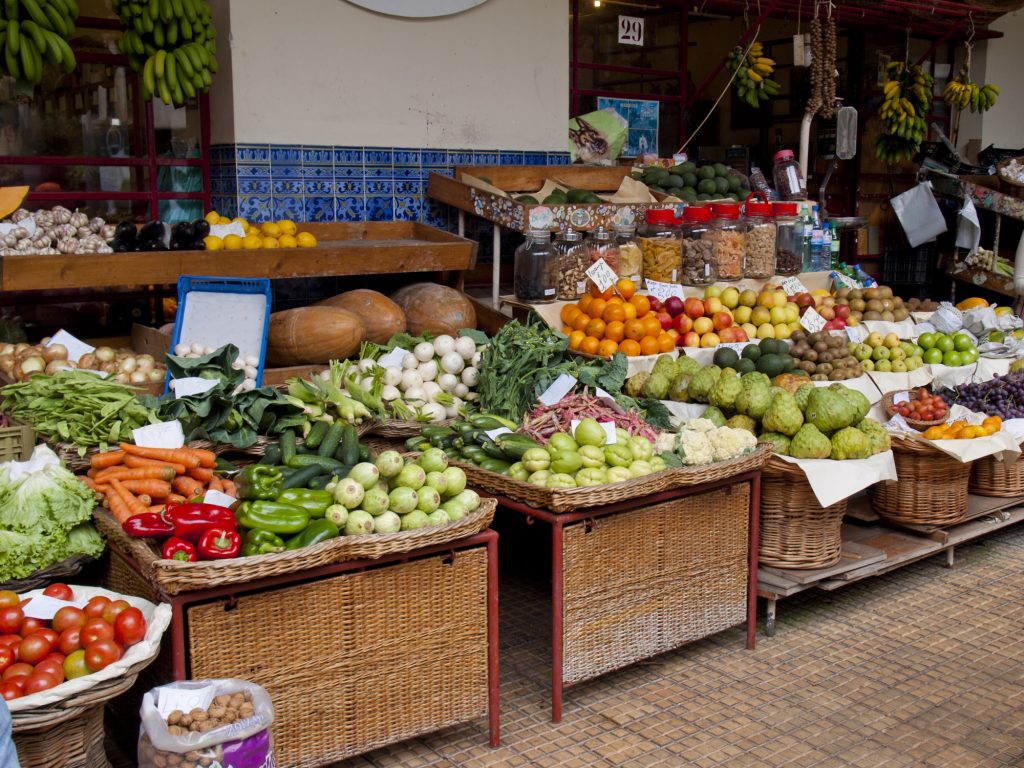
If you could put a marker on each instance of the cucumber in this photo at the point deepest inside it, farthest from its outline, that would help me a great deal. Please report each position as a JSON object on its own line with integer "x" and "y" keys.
{"x": 301, "y": 477}
{"x": 364, "y": 451}
{"x": 416, "y": 444}
{"x": 319, "y": 482}
{"x": 272, "y": 456}
{"x": 325, "y": 463}
{"x": 316, "y": 434}
{"x": 495, "y": 465}
{"x": 287, "y": 447}
{"x": 348, "y": 449}
{"x": 332, "y": 439}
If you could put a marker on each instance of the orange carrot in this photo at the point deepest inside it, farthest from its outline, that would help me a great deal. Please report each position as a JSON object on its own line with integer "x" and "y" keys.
{"x": 185, "y": 456}
{"x": 139, "y": 461}
{"x": 91, "y": 473}
{"x": 144, "y": 499}
{"x": 216, "y": 484}
{"x": 108, "y": 459}
{"x": 118, "y": 508}
{"x": 136, "y": 473}
{"x": 157, "y": 489}
{"x": 186, "y": 486}
{"x": 135, "y": 506}
{"x": 202, "y": 474}
{"x": 158, "y": 508}
{"x": 176, "y": 498}
{"x": 229, "y": 487}
{"x": 88, "y": 482}
{"x": 206, "y": 458}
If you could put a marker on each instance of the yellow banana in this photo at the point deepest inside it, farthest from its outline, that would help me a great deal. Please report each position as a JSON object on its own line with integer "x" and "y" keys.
{"x": 754, "y": 75}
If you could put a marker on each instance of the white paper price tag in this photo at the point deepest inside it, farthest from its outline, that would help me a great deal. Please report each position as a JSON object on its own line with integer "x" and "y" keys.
{"x": 792, "y": 286}
{"x": 392, "y": 359}
{"x": 811, "y": 320}
{"x": 191, "y": 385}
{"x": 559, "y": 388}
{"x": 45, "y": 607}
{"x": 739, "y": 346}
{"x": 609, "y": 430}
{"x": 219, "y": 499}
{"x": 662, "y": 291}
{"x": 898, "y": 424}
{"x": 184, "y": 699}
{"x": 166, "y": 434}
{"x": 901, "y": 397}
{"x": 604, "y": 277}
{"x": 856, "y": 333}
{"x": 223, "y": 230}
{"x": 76, "y": 347}
{"x": 29, "y": 225}
{"x": 844, "y": 281}
{"x": 494, "y": 433}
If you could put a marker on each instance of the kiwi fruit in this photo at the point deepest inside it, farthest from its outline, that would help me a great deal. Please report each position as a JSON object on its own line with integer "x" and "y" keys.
{"x": 871, "y": 293}
{"x": 900, "y": 314}
{"x": 811, "y": 355}
{"x": 888, "y": 316}
{"x": 857, "y": 305}
{"x": 884, "y": 292}
{"x": 843, "y": 293}
{"x": 872, "y": 315}
{"x": 808, "y": 366}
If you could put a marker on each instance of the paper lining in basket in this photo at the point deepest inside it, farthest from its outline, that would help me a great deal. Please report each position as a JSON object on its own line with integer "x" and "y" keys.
{"x": 832, "y": 481}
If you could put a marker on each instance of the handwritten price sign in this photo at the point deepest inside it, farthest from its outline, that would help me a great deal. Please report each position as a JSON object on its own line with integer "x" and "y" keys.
{"x": 604, "y": 277}
{"x": 812, "y": 321}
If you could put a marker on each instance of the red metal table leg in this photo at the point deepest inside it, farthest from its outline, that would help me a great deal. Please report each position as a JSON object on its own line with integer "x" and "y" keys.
{"x": 492, "y": 640}
{"x": 556, "y": 622}
{"x": 179, "y": 663}
{"x": 755, "y": 524}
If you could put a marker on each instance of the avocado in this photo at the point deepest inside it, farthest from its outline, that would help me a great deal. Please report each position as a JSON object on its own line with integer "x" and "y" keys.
{"x": 771, "y": 365}
{"x": 690, "y": 180}
{"x": 721, "y": 185}
{"x": 707, "y": 187}
{"x": 734, "y": 183}
{"x": 577, "y": 195}
{"x": 555, "y": 198}
{"x": 790, "y": 363}
{"x": 706, "y": 172}
{"x": 735, "y": 198}
{"x": 656, "y": 188}
{"x": 726, "y": 357}
{"x": 689, "y": 167}
{"x": 689, "y": 194}
{"x": 703, "y": 197}
{"x": 676, "y": 170}
{"x": 527, "y": 200}
{"x": 770, "y": 347}
{"x": 636, "y": 176}
{"x": 720, "y": 169}
{"x": 745, "y": 365}
{"x": 751, "y": 352}
{"x": 674, "y": 182}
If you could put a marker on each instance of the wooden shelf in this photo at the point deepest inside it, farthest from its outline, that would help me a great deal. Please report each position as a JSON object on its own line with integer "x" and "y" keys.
{"x": 982, "y": 278}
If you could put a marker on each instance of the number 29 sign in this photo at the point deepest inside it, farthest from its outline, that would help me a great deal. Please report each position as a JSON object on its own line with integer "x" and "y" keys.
{"x": 631, "y": 30}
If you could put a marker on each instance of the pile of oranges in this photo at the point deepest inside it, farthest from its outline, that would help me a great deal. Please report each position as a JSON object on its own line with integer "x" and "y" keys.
{"x": 616, "y": 320}
{"x": 961, "y": 430}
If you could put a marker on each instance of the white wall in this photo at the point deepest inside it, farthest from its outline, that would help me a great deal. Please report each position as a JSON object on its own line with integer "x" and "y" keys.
{"x": 329, "y": 72}
{"x": 1003, "y": 125}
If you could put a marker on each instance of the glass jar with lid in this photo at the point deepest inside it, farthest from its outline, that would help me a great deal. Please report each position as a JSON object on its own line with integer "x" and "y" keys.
{"x": 600, "y": 245}
{"x": 698, "y": 262}
{"x": 759, "y": 240}
{"x": 787, "y": 175}
{"x": 536, "y": 269}
{"x": 631, "y": 260}
{"x": 661, "y": 245}
{"x": 788, "y": 261}
{"x": 573, "y": 261}
{"x": 727, "y": 233}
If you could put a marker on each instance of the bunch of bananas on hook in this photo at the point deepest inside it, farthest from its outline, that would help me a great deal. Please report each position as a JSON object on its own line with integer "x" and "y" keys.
{"x": 34, "y": 33}
{"x": 906, "y": 101}
{"x": 753, "y": 74}
{"x": 960, "y": 92}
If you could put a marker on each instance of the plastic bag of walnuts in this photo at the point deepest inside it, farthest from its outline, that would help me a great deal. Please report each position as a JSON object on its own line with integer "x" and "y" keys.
{"x": 206, "y": 724}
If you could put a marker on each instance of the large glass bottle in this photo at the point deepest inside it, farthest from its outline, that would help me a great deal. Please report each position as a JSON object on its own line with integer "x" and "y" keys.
{"x": 536, "y": 269}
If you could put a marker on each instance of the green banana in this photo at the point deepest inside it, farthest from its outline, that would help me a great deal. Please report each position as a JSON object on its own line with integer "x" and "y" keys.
{"x": 38, "y": 16}
{"x": 35, "y": 32}
{"x": 28, "y": 63}
{"x": 149, "y": 75}
{"x": 171, "y": 33}
{"x": 161, "y": 62}
{"x": 13, "y": 37}
{"x": 183, "y": 63}
{"x": 171, "y": 71}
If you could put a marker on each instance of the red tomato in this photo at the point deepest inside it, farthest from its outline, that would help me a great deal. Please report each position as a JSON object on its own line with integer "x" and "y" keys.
{"x": 10, "y": 640}
{"x": 59, "y": 591}
{"x": 9, "y": 598}
{"x": 30, "y": 625}
{"x": 52, "y": 667}
{"x": 94, "y": 608}
{"x": 34, "y": 648}
{"x": 11, "y": 617}
{"x": 6, "y": 658}
{"x": 74, "y": 665}
{"x": 129, "y": 627}
{"x": 111, "y": 610}
{"x": 70, "y": 641}
{"x": 10, "y": 690}
{"x": 102, "y": 654}
{"x": 95, "y": 629}
{"x": 20, "y": 669}
{"x": 50, "y": 635}
{"x": 40, "y": 681}
{"x": 68, "y": 617}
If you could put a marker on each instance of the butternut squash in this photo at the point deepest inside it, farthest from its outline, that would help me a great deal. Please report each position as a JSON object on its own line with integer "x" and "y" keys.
{"x": 381, "y": 317}
{"x": 434, "y": 308}
{"x": 314, "y": 334}
{"x": 10, "y": 200}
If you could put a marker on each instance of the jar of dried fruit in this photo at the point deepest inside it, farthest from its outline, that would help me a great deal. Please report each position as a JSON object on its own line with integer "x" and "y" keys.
{"x": 759, "y": 240}
{"x": 727, "y": 233}
{"x": 661, "y": 246}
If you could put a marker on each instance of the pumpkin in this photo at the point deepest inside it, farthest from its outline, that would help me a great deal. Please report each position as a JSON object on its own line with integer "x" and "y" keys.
{"x": 381, "y": 317}
{"x": 313, "y": 335}
{"x": 10, "y": 199}
{"x": 434, "y": 308}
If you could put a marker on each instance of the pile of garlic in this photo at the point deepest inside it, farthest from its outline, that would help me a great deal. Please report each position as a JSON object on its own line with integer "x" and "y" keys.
{"x": 57, "y": 230}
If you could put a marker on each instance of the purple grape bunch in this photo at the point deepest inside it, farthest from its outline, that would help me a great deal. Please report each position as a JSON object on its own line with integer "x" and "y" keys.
{"x": 1002, "y": 396}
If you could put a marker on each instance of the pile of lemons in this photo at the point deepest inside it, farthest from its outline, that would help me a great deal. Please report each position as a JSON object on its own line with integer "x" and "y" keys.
{"x": 271, "y": 234}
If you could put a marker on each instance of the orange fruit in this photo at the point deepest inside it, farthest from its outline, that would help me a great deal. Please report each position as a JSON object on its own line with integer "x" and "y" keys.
{"x": 643, "y": 306}
{"x": 630, "y": 348}
{"x": 581, "y": 321}
{"x": 616, "y": 300}
{"x": 607, "y": 348}
{"x": 596, "y": 328}
{"x": 666, "y": 343}
{"x": 626, "y": 288}
{"x": 568, "y": 313}
{"x": 630, "y": 310}
{"x": 597, "y": 307}
{"x": 635, "y": 329}
{"x": 935, "y": 433}
{"x": 649, "y": 345}
{"x": 596, "y": 292}
{"x": 651, "y": 326}
{"x": 993, "y": 421}
{"x": 566, "y": 329}
{"x": 613, "y": 312}
{"x": 615, "y": 330}
{"x": 584, "y": 302}
{"x": 589, "y": 345}
{"x": 576, "y": 338}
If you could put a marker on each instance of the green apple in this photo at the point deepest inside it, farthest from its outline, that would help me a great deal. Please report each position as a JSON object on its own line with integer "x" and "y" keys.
{"x": 862, "y": 352}
{"x": 899, "y": 366}
{"x": 712, "y": 291}
{"x": 926, "y": 340}
{"x": 918, "y": 351}
{"x": 884, "y": 366}
{"x": 962, "y": 342}
{"x": 952, "y": 358}
{"x": 880, "y": 353}
{"x": 932, "y": 356}
{"x": 897, "y": 353}
{"x": 908, "y": 349}
{"x": 969, "y": 356}
{"x": 730, "y": 297}
{"x": 874, "y": 339}
{"x": 867, "y": 365}
{"x": 944, "y": 344}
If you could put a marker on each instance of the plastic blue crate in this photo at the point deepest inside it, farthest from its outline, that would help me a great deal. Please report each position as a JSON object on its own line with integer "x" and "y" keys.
{"x": 253, "y": 286}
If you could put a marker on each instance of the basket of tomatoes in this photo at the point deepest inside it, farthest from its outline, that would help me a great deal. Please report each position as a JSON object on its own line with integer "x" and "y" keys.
{"x": 64, "y": 652}
{"x": 918, "y": 407}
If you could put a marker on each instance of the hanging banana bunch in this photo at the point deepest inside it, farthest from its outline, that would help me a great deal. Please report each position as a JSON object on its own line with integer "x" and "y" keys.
{"x": 753, "y": 74}
{"x": 960, "y": 94}
{"x": 171, "y": 43}
{"x": 907, "y": 97}
{"x": 33, "y": 33}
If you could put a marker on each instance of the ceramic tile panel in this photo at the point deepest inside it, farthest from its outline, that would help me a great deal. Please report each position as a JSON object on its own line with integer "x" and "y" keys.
{"x": 350, "y": 208}
{"x": 286, "y": 187}
{"x": 408, "y": 207}
{"x": 285, "y": 154}
{"x": 288, "y": 207}
{"x": 379, "y": 208}
{"x": 348, "y": 156}
{"x": 317, "y": 155}
{"x": 318, "y": 187}
{"x": 253, "y": 186}
{"x": 318, "y": 208}
{"x": 255, "y": 208}
{"x": 252, "y": 153}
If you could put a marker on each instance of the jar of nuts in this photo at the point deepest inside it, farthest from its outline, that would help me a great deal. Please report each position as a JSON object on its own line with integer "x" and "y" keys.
{"x": 698, "y": 247}
{"x": 661, "y": 245}
{"x": 535, "y": 274}
{"x": 727, "y": 233}
{"x": 759, "y": 241}
{"x": 631, "y": 259}
{"x": 573, "y": 262}
{"x": 787, "y": 255}
{"x": 600, "y": 245}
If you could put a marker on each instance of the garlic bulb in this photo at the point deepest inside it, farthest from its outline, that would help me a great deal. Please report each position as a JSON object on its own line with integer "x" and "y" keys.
{"x": 20, "y": 215}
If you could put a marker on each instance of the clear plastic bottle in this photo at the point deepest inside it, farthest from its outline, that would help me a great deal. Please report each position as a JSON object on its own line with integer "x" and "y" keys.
{"x": 834, "y": 245}
{"x": 573, "y": 261}
{"x": 631, "y": 257}
{"x": 698, "y": 262}
{"x": 787, "y": 256}
{"x": 536, "y": 269}
{"x": 600, "y": 245}
{"x": 661, "y": 245}
{"x": 759, "y": 241}
{"x": 727, "y": 233}
{"x": 786, "y": 173}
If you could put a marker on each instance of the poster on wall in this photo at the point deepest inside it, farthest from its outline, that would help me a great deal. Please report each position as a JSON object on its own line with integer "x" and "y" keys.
{"x": 642, "y": 118}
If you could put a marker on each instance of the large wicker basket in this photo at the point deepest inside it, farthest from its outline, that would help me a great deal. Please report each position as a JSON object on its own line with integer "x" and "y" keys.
{"x": 931, "y": 489}
{"x": 174, "y": 576}
{"x": 796, "y": 531}
{"x": 990, "y": 477}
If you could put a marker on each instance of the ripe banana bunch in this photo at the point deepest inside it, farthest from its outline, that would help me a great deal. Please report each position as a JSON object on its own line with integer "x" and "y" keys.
{"x": 907, "y": 99}
{"x": 172, "y": 44}
{"x": 33, "y": 32}
{"x": 753, "y": 74}
{"x": 961, "y": 92}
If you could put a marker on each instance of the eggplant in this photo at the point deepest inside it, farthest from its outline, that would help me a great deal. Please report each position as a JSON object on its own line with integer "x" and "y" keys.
{"x": 181, "y": 245}
{"x": 125, "y": 231}
{"x": 201, "y": 227}
{"x": 121, "y": 246}
{"x": 198, "y": 245}
{"x": 183, "y": 231}
{"x": 154, "y": 230}
{"x": 156, "y": 245}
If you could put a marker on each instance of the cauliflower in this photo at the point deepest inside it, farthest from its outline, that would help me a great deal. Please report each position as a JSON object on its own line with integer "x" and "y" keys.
{"x": 694, "y": 447}
{"x": 666, "y": 442}
{"x": 728, "y": 443}
{"x": 700, "y": 425}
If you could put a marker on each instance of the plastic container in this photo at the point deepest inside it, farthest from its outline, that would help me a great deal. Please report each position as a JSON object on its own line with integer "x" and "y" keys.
{"x": 600, "y": 245}
{"x": 759, "y": 241}
{"x": 536, "y": 269}
{"x": 727, "y": 233}
{"x": 661, "y": 245}
{"x": 787, "y": 175}
{"x": 788, "y": 261}
{"x": 631, "y": 257}
{"x": 573, "y": 261}
{"x": 698, "y": 262}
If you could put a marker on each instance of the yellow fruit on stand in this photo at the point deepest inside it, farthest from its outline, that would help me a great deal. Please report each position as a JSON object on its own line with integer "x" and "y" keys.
{"x": 305, "y": 240}
{"x": 233, "y": 243}
{"x": 213, "y": 243}
{"x": 270, "y": 229}
{"x": 212, "y": 218}
{"x": 287, "y": 241}
{"x": 287, "y": 227}
{"x": 252, "y": 241}
{"x": 271, "y": 242}
{"x": 223, "y": 220}
{"x": 239, "y": 220}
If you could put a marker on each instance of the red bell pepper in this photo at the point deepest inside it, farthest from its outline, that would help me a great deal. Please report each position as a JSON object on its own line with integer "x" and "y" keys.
{"x": 179, "y": 549}
{"x": 220, "y": 544}
{"x": 191, "y": 521}
{"x": 150, "y": 525}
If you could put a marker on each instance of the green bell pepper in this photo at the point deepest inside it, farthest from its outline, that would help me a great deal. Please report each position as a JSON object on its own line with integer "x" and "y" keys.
{"x": 259, "y": 482}
{"x": 272, "y": 516}
{"x": 560, "y": 480}
{"x": 618, "y": 455}
{"x": 566, "y": 462}
{"x": 259, "y": 542}
{"x": 536, "y": 459}
{"x": 314, "y": 502}
{"x": 314, "y": 533}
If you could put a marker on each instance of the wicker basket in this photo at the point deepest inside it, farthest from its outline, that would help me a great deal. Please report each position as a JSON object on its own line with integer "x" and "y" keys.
{"x": 174, "y": 576}
{"x": 16, "y": 440}
{"x": 796, "y": 531}
{"x": 990, "y": 477}
{"x": 78, "y": 462}
{"x": 378, "y": 445}
{"x": 890, "y": 409}
{"x": 568, "y": 499}
{"x": 403, "y": 429}
{"x": 1005, "y": 184}
{"x": 61, "y": 571}
{"x": 931, "y": 489}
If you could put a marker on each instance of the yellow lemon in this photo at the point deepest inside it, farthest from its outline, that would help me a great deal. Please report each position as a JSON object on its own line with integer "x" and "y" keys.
{"x": 223, "y": 220}
{"x": 287, "y": 241}
{"x": 213, "y": 243}
{"x": 212, "y": 217}
{"x": 287, "y": 227}
{"x": 305, "y": 240}
{"x": 270, "y": 242}
{"x": 270, "y": 229}
{"x": 252, "y": 241}
{"x": 240, "y": 220}
{"x": 233, "y": 242}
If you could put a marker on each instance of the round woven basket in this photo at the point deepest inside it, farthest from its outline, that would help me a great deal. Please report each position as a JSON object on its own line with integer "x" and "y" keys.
{"x": 61, "y": 571}
{"x": 796, "y": 531}
{"x": 931, "y": 489}
{"x": 990, "y": 477}
{"x": 890, "y": 409}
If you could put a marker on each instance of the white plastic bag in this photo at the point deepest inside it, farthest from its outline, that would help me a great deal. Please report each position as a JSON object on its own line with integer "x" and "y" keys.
{"x": 919, "y": 214}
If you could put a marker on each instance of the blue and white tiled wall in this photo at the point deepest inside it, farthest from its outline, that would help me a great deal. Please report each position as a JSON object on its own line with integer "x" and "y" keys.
{"x": 340, "y": 183}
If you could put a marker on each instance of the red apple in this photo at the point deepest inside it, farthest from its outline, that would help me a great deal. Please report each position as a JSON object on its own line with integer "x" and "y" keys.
{"x": 713, "y": 304}
{"x": 727, "y": 335}
{"x": 691, "y": 339}
{"x": 826, "y": 312}
{"x": 721, "y": 320}
{"x": 665, "y": 319}
{"x": 683, "y": 324}
{"x": 804, "y": 300}
{"x": 680, "y": 339}
{"x": 840, "y": 323}
{"x": 654, "y": 302}
{"x": 694, "y": 307}
{"x": 703, "y": 325}
{"x": 739, "y": 334}
{"x": 841, "y": 310}
{"x": 673, "y": 305}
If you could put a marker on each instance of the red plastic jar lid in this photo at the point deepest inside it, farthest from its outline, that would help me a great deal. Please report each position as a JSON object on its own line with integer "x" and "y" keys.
{"x": 784, "y": 209}
{"x": 697, "y": 213}
{"x": 784, "y": 154}
{"x": 759, "y": 210}
{"x": 660, "y": 216}
{"x": 726, "y": 210}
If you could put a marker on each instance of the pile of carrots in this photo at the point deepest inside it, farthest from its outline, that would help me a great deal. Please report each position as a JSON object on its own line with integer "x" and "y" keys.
{"x": 133, "y": 480}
